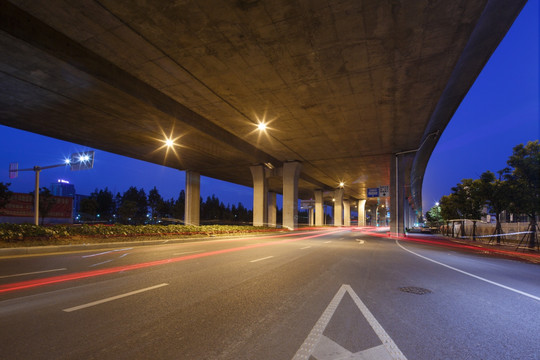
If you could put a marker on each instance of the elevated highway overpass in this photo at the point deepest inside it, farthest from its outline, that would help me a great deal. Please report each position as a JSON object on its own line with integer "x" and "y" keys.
{"x": 352, "y": 92}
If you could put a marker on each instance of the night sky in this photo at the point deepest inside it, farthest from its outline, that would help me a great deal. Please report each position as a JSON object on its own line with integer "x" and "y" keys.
{"x": 500, "y": 111}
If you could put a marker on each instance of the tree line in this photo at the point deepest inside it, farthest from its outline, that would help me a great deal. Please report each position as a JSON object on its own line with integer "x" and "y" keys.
{"x": 515, "y": 189}
{"x": 135, "y": 207}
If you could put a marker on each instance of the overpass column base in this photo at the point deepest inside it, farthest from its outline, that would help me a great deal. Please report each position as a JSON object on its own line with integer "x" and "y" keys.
{"x": 319, "y": 209}
{"x": 361, "y": 212}
{"x": 272, "y": 209}
{"x": 338, "y": 207}
{"x": 193, "y": 198}
{"x": 346, "y": 213}
{"x": 260, "y": 189}
{"x": 291, "y": 172}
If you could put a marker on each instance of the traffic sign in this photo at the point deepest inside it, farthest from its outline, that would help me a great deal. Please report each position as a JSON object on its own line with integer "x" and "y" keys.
{"x": 373, "y": 192}
{"x": 384, "y": 190}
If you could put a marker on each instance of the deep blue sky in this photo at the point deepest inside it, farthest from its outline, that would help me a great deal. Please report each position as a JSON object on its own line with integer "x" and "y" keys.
{"x": 499, "y": 112}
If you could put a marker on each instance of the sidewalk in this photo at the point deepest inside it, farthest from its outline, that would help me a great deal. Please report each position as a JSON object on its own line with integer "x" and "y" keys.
{"x": 503, "y": 250}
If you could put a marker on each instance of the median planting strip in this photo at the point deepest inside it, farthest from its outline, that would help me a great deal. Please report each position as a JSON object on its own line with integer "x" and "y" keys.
{"x": 89, "y": 274}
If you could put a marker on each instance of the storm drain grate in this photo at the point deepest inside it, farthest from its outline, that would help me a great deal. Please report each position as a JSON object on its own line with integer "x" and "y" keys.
{"x": 415, "y": 290}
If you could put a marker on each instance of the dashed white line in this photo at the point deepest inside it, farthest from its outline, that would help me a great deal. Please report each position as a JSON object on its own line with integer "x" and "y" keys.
{"x": 261, "y": 259}
{"x": 188, "y": 252}
{"x": 32, "y": 273}
{"x": 328, "y": 242}
{"x": 471, "y": 275}
{"x": 106, "y": 252}
{"x": 94, "y": 303}
{"x": 305, "y": 247}
{"x": 101, "y": 263}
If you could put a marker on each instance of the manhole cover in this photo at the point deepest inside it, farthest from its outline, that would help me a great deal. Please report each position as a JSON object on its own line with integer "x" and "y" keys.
{"x": 415, "y": 290}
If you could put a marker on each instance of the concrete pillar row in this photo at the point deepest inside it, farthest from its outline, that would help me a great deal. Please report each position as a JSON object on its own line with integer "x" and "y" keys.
{"x": 291, "y": 173}
{"x": 361, "y": 212}
{"x": 346, "y": 213}
{"x": 319, "y": 208}
{"x": 338, "y": 207}
{"x": 193, "y": 198}
{"x": 260, "y": 189}
{"x": 311, "y": 217}
{"x": 272, "y": 209}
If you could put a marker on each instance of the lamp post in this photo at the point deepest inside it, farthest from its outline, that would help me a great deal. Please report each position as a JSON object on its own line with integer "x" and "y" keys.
{"x": 77, "y": 161}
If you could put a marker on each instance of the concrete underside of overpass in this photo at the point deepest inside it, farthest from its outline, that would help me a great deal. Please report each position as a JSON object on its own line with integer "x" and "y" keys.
{"x": 343, "y": 85}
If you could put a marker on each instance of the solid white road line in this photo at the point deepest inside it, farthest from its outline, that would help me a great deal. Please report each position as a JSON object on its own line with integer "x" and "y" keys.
{"x": 305, "y": 247}
{"x": 261, "y": 259}
{"x": 94, "y": 303}
{"x": 32, "y": 273}
{"x": 471, "y": 275}
{"x": 328, "y": 242}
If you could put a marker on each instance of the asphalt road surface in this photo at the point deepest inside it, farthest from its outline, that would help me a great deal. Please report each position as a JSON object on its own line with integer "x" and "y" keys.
{"x": 325, "y": 295}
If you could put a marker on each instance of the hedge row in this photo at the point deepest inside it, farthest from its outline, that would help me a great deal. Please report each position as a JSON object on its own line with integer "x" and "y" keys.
{"x": 18, "y": 232}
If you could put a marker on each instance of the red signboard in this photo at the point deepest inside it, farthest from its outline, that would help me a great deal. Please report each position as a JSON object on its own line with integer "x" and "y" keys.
{"x": 22, "y": 205}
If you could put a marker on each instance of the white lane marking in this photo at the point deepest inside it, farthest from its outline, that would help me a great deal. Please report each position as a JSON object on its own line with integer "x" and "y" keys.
{"x": 121, "y": 256}
{"x": 324, "y": 348}
{"x": 101, "y": 263}
{"x": 188, "y": 252}
{"x": 106, "y": 252}
{"x": 32, "y": 273}
{"x": 98, "y": 302}
{"x": 328, "y": 242}
{"x": 305, "y": 247}
{"x": 360, "y": 241}
{"x": 471, "y": 275}
{"x": 261, "y": 259}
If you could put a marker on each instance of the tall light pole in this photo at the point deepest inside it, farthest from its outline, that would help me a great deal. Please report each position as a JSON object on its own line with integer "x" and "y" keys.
{"x": 77, "y": 161}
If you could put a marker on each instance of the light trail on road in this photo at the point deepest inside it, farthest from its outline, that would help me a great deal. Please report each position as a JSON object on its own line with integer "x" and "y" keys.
{"x": 89, "y": 274}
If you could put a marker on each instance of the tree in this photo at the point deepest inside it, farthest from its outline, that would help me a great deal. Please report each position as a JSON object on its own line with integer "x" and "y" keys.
{"x": 89, "y": 208}
{"x": 137, "y": 197}
{"x": 5, "y": 195}
{"x": 434, "y": 217}
{"x": 105, "y": 204}
{"x": 179, "y": 206}
{"x": 497, "y": 196}
{"x": 127, "y": 211}
{"x": 524, "y": 179}
{"x": 46, "y": 202}
{"x": 154, "y": 202}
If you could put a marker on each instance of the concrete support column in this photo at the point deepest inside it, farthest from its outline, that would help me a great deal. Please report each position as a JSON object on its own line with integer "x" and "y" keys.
{"x": 319, "y": 209}
{"x": 361, "y": 212}
{"x": 193, "y": 198}
{"x": 398, "y": 204}
{"x": 272, "y": 209}
{"x": 338, "y": 207}
{"x": 311, "y": 217}
{"x": 260, "y": 189}
{"x": 291, "y": 172}
{"x": 346, "y": 213}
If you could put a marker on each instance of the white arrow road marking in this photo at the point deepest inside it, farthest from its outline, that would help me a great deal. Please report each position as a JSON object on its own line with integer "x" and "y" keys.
{"x": 323, "y": 348}
{"x": 360, "y": 241}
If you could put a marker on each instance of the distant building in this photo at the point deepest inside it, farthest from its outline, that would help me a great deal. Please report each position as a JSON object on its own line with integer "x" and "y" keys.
{"x": 20, "y": 210}
{"x": 63, "y": 188}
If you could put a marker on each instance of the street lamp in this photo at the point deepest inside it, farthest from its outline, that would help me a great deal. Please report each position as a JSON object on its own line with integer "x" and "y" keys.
{"x": 77, "y": 161}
